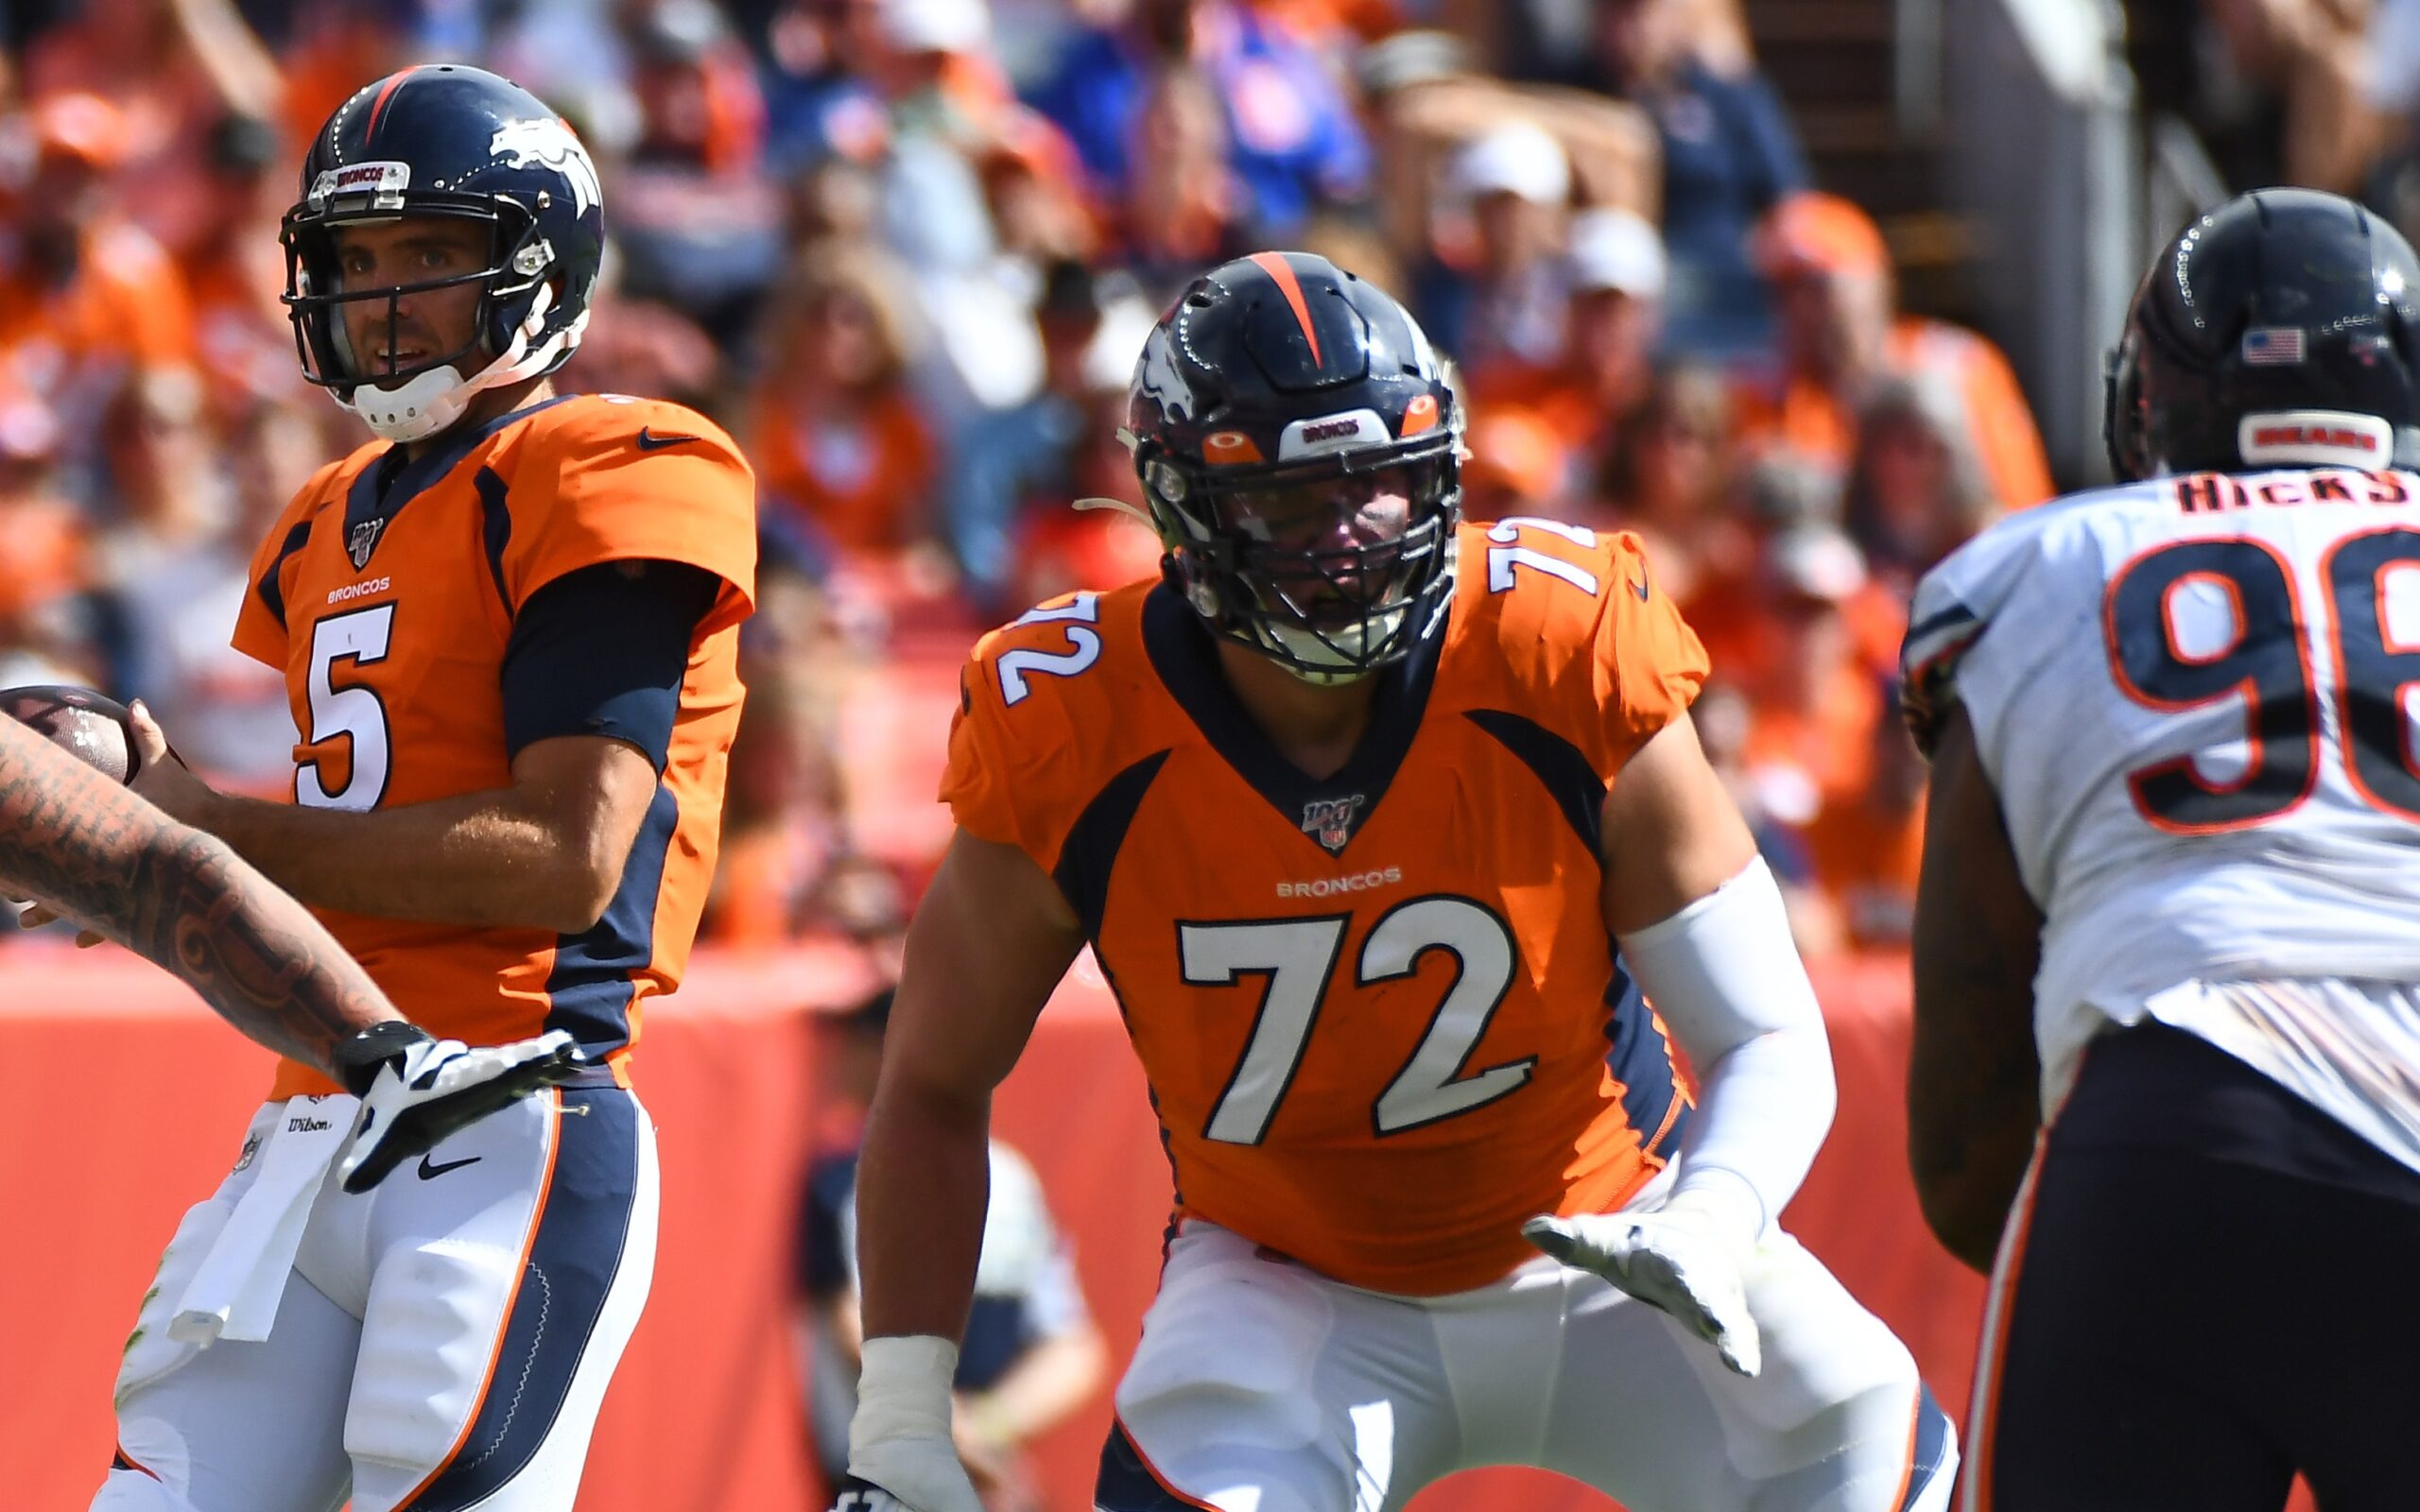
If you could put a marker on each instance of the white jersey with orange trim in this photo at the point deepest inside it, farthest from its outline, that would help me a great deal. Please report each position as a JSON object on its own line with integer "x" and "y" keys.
{"x": 2196, "y": 698}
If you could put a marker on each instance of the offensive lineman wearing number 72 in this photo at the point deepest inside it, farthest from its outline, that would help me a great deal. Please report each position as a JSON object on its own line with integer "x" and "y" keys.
{"x": 510, "y": 628}
{"x": 1378, "y": 824}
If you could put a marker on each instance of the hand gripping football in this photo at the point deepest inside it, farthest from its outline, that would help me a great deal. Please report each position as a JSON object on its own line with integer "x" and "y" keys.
{"x": 94, "y": 729}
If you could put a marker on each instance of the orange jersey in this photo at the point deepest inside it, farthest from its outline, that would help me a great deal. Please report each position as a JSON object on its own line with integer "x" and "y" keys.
{"x": 1380, "y": 1014}
{"x": 392, "y": 641}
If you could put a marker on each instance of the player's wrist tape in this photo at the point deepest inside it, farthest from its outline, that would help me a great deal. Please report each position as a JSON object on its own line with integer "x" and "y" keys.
{"x": 1724, "y": 976}
{"x": 903, "y": 1389}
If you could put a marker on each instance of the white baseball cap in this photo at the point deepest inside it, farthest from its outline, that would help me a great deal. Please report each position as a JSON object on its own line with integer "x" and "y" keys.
{"x": 935, "y": 26}
{"x": 1515, "y": 159}
{"x": 1617, "y": 250}
{"x": 1816, "y": 561}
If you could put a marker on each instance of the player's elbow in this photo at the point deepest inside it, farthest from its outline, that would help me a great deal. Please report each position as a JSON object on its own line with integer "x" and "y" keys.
{"x": 1969, "y": 1231}
{"x": 572, "y": 890}
{"x": 583, "y": 894}
{"x": 1966, "y": 1213}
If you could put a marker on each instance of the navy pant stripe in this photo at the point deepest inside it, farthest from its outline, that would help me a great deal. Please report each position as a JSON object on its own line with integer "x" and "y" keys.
{"x": 573, "y": 1262}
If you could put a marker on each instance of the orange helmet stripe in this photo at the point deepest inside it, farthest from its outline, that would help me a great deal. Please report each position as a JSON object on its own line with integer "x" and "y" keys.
{"x": 1275, "y": 265}
{"x": 380, "y": 103}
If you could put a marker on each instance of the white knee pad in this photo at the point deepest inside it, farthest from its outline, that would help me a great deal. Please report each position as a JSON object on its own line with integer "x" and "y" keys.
{"x": 133, "y": 1491}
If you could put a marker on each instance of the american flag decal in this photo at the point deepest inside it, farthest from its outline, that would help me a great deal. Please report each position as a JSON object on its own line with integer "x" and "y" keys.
{"x": 2273, "y": 346}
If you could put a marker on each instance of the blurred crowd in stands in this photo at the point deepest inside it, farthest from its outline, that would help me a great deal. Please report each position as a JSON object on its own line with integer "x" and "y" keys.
{"x": 907, "y": 250}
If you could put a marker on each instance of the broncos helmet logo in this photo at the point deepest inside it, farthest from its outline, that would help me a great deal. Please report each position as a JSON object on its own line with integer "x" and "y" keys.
{"x": 547, "y": 142}
{"x": 1157, "y": 378}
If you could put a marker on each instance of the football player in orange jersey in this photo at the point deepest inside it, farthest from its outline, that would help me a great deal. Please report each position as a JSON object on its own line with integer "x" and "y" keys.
{"x": 1356, "y": 809}
{"x": 509, "y": 629}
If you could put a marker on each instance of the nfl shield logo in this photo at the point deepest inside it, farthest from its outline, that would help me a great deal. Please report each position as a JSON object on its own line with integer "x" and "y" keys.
{"x": 1329, "y": 820}
{"x": 362, "y": 542}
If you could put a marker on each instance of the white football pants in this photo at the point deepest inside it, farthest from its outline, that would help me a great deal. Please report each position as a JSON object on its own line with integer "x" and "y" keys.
{"x": 1261, "y": 1387}
{"x": 444, "y": 1341}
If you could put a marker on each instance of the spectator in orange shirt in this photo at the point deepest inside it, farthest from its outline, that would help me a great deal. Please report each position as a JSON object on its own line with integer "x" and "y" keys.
{"x": 1865, "y": 849}
{"x": 1667, "y": 477}
{"x": 1516, "y": 466}
{"x": 172, "y": 69}
{"x": 1841, "y": 335}
{"x": 1726, "y": 723}
{"x": 790, "y": 867}
{"x": 1766, "y": 495}
{"x": 1615, "y": 272}
{"x": 85, "y": 298}
{"x": 1817, "y": 698}
{"x": 841, "y": 451}
{"x": 1916, "y": 491}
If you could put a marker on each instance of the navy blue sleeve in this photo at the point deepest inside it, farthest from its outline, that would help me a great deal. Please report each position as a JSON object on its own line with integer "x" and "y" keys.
{"x": 1777, "y": 165}
{"x": 600, "y": 651}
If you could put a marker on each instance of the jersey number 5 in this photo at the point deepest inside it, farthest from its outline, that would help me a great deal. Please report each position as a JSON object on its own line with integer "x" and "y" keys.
{"x": 2265, "y": 661}
{"x": 1299, "y": 957}
{"x": 352, "y": 714}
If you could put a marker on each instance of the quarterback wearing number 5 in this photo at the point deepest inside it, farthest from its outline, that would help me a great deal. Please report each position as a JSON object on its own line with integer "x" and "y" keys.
{"x": 510, "y": 629}
{"x": 1378, "y": 824}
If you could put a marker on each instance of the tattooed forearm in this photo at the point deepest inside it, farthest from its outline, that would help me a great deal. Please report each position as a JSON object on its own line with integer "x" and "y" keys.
{"x": 95, "y": 853}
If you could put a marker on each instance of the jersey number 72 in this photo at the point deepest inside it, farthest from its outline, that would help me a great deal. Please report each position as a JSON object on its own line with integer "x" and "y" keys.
{"x": 2267, "y": 662}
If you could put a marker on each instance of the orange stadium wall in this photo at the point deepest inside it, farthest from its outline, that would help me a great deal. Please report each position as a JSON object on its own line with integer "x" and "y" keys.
{"x": 122, "y": 1100}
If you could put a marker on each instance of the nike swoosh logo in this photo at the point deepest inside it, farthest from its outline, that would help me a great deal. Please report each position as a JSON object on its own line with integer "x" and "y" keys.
{"x": 1638, "y": 584}
{"x": 430, "y": 1172}
{"x": 650, "y": 441}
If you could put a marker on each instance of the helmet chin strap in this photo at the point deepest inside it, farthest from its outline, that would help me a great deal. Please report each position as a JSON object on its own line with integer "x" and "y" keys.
{"x": 428, "y": 403}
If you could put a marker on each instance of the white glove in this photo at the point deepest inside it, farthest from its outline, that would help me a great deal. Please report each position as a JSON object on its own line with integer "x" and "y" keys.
{"x": 1686, "y": 1257}
{"x": 416, "y": 1090}
{"x": 901, "y": 1455}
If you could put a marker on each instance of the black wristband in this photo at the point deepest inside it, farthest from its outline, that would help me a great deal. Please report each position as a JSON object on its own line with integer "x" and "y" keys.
{"x": 359, "y": 1055}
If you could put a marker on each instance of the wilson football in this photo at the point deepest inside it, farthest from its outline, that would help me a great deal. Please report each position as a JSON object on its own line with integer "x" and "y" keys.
{"x": 93, "y": 727}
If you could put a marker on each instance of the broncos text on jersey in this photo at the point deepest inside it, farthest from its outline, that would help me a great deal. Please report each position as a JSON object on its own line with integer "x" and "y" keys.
{"x": 1381, "y": 1018}
{"x": 386, "y": 592}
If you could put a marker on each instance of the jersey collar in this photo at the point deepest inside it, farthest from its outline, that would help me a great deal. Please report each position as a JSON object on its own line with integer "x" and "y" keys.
{"x": 387, "y": 485}
{"x": 1329, "y": 811}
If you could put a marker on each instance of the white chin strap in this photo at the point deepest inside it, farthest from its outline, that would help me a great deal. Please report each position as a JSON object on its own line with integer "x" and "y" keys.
{"x": 428, "y": 403}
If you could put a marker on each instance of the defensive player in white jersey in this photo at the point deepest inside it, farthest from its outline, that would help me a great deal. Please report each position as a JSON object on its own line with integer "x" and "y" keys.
{"x": 2168, "y": 939}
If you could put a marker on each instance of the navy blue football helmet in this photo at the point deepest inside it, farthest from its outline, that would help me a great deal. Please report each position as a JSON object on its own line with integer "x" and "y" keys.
{"x": 1274, "y": 401}
{"x": 2281, "y": 329}
{"x": 446, "y": 140}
